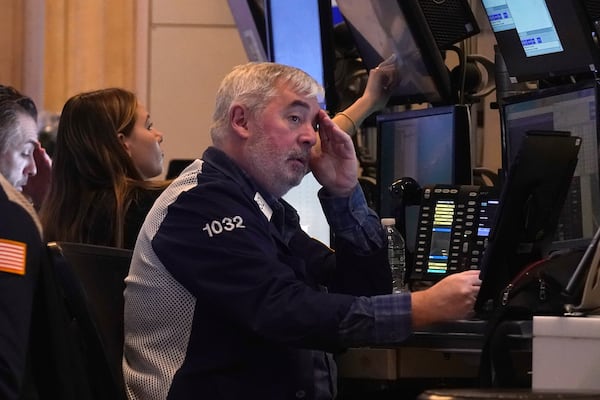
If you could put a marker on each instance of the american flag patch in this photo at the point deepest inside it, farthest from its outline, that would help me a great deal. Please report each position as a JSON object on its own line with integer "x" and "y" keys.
{"x": 12, "y": 256}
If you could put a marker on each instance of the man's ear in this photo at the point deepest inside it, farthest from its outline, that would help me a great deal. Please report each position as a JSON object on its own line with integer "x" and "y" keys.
{"x": 123, "y": 139}
{"x": 239, "y": 117}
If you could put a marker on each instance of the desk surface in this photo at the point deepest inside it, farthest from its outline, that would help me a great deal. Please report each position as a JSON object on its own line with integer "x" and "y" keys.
{"x": 447, "y": 349}
{"x": 465, "y": 334}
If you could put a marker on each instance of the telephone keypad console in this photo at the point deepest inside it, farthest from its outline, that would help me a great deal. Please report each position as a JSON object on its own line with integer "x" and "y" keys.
{"x": 453, "y": 226}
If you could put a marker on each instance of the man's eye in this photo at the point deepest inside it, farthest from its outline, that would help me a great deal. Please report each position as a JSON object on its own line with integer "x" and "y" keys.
{"x": 295, "y": 119}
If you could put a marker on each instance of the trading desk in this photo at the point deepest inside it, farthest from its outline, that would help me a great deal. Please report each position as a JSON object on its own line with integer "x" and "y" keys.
{"x": 440, "y": 354}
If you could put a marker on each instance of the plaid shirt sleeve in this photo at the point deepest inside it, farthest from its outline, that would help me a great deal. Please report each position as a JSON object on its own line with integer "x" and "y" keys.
{"x": 370, "y": 320}
{"x": 351, "y": 219}
{"x": 377, "y": 320}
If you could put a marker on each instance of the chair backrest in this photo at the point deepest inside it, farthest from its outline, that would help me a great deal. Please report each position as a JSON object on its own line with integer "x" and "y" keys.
{"x": 92, "y": 279}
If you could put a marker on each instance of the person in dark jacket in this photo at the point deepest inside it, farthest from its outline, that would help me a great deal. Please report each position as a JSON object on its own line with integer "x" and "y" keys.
{"x": 227, "y": 297}
{"x": 39, "y": 354}
{"x": 21, "y": 251}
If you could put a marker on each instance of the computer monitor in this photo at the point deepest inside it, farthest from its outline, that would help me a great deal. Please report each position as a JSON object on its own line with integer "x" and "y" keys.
{"x": 541, "y": 39}
{"x": 300, "y": 34}
{"x": 530, "y": 203}
{"x": 570, "y": 108}
{"x": 381, "y": 28}
{"x": 430, "y": 145}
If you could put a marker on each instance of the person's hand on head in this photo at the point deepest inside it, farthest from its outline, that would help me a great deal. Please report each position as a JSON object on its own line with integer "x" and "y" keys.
{"x": 333, "y": 159}
{"x": 451, "y": 298}
{"x": 38, "y": 185}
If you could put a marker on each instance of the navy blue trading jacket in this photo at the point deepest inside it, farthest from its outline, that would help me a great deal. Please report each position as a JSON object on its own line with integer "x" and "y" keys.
{"x": 220, "y": 304}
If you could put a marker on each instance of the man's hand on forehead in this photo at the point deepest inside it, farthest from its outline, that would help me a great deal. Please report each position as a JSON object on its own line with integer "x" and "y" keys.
{"x": 333, "y": 158}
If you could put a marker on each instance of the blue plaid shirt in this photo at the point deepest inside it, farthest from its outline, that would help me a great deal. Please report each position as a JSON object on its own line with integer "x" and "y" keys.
{"x": 370, "y": 320}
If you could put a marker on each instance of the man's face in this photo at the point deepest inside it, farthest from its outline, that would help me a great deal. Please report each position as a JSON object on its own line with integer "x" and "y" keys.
{"x": 17, "y": 163}
{"x": 277, "y": 152}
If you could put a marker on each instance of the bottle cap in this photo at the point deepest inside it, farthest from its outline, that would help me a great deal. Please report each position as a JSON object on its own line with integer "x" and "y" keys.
{"x": 388, "y": 221}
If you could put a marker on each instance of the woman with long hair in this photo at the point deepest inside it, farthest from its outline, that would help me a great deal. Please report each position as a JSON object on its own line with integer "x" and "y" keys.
{"x": 106, "y": 152}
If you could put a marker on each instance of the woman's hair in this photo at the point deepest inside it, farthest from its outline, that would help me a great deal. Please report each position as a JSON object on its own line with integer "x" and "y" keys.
{"x": 94, "y": 180}
{"x": 13, "y": 104}
{"x": 255, "y": 85}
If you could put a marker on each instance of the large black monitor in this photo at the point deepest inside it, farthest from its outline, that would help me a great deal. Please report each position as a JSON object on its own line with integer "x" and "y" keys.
{"x": 570, "y": 108}
{"x": 530, "y": 203}
{"x": 383, "y": 27}
{"x": 541, "y": 39}
{"x": 430, "y": 145}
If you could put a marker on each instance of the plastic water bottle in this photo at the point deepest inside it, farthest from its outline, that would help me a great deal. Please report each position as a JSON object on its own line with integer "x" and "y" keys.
{"x": 396, "y": 255}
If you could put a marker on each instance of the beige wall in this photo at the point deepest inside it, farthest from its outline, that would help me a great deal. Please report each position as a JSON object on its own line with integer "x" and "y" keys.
{"x": 89, "y": 44}
{"x": 11, "y": 42}
{"x": 192, "y": 45}
{"x": 53, "y": 49}
{"x": 172, "y": 53}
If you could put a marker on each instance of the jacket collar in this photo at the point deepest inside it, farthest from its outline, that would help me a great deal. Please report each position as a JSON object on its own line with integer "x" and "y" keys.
{"x": 228, "y": 167}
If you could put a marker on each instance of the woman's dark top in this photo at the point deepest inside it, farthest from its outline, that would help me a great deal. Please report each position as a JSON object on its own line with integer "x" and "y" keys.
{"x": 101, "y": 232}
{"x": 136, "y": 214}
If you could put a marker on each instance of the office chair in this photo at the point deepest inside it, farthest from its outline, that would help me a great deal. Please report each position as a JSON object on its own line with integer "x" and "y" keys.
{"x": 92, "y": 281}
{"x": 176, "y": 167}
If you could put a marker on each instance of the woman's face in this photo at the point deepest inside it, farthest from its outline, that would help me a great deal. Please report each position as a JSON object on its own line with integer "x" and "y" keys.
{"x": 143, "y": 145}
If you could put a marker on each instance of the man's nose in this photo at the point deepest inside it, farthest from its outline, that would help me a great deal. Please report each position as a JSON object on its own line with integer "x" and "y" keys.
{"x": 30, "y": 168}
{"x": 309, "y": 134}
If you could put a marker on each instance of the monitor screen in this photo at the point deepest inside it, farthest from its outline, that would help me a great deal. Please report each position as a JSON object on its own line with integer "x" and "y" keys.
{"x": 381, "y": 28}
{"x": 530, "y": 204}
{"x": 541, "y": 39}
{"x": 305, "y": 199}
{"x": 431, "y": 145}
{"x": 573, "y": 109}
{"x": 300, "y": 34}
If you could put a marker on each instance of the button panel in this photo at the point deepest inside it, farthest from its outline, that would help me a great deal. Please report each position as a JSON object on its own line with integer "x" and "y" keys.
{"x": 453, "y": 226}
